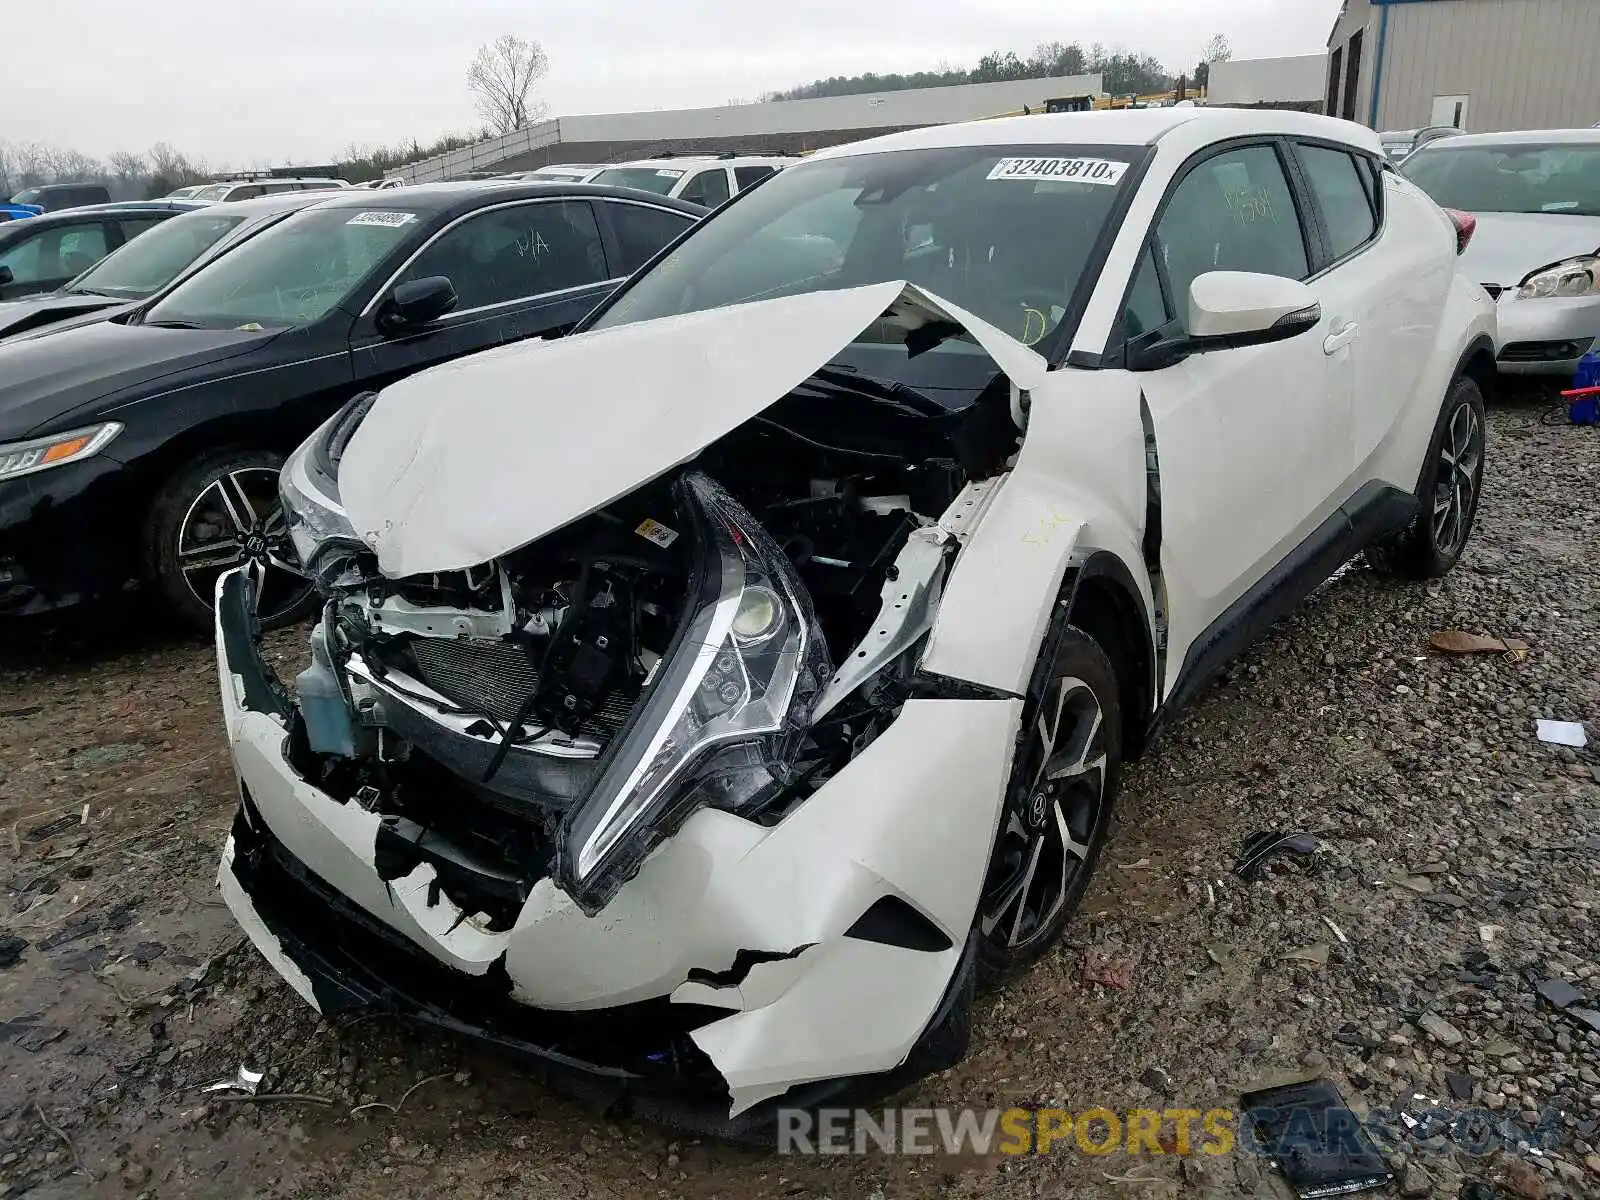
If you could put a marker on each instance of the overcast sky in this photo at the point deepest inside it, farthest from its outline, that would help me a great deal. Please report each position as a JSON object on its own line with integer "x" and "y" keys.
{"x": 301, "y": 80}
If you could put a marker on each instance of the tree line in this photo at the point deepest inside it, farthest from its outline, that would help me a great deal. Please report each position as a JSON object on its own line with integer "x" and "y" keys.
{"x": 1123, "y": 72}
{"x": 131, "y": 175}
{"x": 500, "y": 77}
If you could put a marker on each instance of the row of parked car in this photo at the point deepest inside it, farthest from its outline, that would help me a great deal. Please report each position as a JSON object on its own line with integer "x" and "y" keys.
{"x": 147, "y": 401}
{"x": 122, "y": 320}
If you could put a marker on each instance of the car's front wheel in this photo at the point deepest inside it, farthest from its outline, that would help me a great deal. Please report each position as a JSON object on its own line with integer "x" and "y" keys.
{"x": 219, "y": 511}
{"x": 1447, "y": 498}
{"x": 1058, "y": 802}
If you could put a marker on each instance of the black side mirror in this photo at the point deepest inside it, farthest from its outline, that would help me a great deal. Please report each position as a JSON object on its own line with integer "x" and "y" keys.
{"x": 417, "y": 303}
{"x": 6, "y": 276}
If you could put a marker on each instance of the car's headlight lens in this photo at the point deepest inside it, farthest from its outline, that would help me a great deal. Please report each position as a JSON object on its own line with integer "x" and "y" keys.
{"x": 317, "y": 524}
{"x": 40, "y": 454}
{"x": 727, "y": 713}
{"x": 1576, "y": 277}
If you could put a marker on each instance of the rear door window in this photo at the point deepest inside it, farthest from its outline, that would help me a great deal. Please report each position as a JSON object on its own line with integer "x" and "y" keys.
{"x": 642, "y": 230}
{"x": 748, "y": 175}
{"x": 709, "y": 188}
{"x": 1343, "y": 196}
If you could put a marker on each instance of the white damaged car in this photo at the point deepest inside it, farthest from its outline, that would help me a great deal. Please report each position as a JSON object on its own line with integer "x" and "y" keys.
{"x": 707, "y": 702}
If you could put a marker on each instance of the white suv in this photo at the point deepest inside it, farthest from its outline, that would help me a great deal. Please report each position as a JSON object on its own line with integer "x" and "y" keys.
{"x": 254, "y": 189}
{"x": 699, "y": 178}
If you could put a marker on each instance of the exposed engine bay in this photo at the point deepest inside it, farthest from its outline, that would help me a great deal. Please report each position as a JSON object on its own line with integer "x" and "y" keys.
{"x": 730, "y": 635}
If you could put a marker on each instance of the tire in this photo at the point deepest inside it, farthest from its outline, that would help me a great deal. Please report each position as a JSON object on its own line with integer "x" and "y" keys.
{"x": 1074, "y": 679}
{"x": 1452, "y": 476}
{"x": 199, "y": 508}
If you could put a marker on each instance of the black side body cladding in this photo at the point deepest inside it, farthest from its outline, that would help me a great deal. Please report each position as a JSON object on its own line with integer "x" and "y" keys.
{"x": 1373, "y": 513}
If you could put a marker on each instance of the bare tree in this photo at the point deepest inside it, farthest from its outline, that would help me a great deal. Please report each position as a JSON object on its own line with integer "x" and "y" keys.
{"x": 127, "y": 166}
{"x": 1218, "y": 49}
{"x": 501, "y": 76}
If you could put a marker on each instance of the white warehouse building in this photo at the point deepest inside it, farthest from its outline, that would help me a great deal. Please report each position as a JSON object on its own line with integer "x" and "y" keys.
{"x": 1480, "y": 65}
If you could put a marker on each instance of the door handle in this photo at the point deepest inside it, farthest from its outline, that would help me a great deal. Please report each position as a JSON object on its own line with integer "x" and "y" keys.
{"x": 1340, "y": 338}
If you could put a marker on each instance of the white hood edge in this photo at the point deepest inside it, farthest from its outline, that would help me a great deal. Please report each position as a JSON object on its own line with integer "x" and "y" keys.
{"x": 469, "y": 461}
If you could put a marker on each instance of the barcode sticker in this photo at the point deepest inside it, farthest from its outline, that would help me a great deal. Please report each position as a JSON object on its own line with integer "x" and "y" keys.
{"x": 1103, "y": 172}
{"x": 654, "y": 531}
{"x": 389, "y": 220}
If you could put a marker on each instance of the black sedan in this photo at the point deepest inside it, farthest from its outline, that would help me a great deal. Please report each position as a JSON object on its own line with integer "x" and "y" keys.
{"x": 147, "y": 447}
{"x": 40, "y": 254}
{"x": 140, "y": 269}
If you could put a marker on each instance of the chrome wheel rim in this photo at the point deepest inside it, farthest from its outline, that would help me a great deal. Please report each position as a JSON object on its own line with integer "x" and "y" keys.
{"x": 1050, "y": 825}
{"x": 1455, "y": 490}
{"x": 237, "y": 520}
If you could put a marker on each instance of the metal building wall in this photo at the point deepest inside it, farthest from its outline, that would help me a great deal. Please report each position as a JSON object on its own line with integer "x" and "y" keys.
{"x": 1522, "y": 64}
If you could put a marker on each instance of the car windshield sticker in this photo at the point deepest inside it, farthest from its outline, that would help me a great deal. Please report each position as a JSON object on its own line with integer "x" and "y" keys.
{"x": 654, "y": 531}
{"x": 1101, "y": 171}
{"x": 670, "y": 174}
{"x": 389, "y": 220}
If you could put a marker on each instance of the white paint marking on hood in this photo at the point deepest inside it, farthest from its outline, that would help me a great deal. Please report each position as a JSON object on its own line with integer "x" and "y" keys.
{"x": 469, "y": 461}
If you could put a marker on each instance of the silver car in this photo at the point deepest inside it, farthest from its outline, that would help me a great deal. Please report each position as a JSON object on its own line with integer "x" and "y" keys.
{"x": 1536, "y": 250}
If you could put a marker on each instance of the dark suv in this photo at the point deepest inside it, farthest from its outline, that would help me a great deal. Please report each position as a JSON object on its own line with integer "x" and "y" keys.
{"x": 52, "y": 197}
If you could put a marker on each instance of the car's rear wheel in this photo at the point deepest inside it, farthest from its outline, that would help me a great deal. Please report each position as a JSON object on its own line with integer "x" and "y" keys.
{"x": 218, "y": 512}
{"x": 1447, "y": 497}
{"x": 1058, "y": 802}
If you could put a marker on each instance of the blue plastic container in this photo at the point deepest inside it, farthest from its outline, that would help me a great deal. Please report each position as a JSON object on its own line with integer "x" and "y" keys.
{"x": 1585, "y": 410}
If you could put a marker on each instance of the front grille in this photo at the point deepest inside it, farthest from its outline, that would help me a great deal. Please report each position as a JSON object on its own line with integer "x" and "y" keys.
{"x": 497, "y": 678}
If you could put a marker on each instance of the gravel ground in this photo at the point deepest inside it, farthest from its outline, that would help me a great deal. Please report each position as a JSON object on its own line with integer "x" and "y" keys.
{"x": 1459, "y": 868}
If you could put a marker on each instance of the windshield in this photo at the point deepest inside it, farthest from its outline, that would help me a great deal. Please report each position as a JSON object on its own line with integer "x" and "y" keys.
{"x": 29, "y": 196}
{"x": 287, "y": 276}
{"x": 1511, "y": 179}
{"x": 648, "y": 179}
{"x": 152, "y": 260}
{"x": 1004, "y": 232}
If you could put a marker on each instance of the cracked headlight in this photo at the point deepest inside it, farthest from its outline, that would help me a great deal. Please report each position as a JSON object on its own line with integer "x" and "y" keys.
{"x": 323, "y": 536}
{"x": 724, "y": 719}
{"x": 1574, "y": 278}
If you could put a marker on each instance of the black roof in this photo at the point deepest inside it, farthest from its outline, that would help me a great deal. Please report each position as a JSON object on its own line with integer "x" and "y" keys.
{"x": 11, "y": 231}
{"x": 470, "y": 194}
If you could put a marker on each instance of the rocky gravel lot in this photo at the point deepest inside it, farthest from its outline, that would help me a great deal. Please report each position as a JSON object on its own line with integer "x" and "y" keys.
{"x": 1458, "y": 875}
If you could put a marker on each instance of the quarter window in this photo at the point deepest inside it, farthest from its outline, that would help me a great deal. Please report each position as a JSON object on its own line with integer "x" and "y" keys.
{"x": 1343, "y": 197}
{"x": 1147, "y": 306}
{"x": 513, "y": 253}
{"x": 1233, "y": 212}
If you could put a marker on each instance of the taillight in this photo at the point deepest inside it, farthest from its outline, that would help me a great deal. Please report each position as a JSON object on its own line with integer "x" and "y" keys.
{"x": 1466, "y": 225}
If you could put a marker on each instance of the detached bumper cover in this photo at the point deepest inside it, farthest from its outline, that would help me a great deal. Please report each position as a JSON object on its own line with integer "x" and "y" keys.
{"x": 741, "y": 964}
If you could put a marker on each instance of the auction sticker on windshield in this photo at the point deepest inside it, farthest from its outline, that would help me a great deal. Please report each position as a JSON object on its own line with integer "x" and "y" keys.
{"x": 388, "y": 220}
{"x": 1102, "y": 171}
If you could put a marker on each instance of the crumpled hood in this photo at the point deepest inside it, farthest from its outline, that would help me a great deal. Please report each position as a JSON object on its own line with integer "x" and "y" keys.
{"x": 471, "y": 460}
{"x": 1508, "y": 247}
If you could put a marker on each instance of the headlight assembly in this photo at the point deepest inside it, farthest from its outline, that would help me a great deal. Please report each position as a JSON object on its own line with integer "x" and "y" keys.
{"x": 724, "y": 718}
{"x": 1573, "y": 278}
{"x": 317, "y": 525}
{"x": 57, "y": 450}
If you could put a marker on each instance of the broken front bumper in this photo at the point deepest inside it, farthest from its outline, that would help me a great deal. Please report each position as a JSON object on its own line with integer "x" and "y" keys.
{"x": 740, "y": 965}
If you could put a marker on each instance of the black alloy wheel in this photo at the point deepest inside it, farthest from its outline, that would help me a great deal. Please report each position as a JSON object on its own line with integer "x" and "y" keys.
{"x": 1058, "y": 803}
{"x": 1448, "y": 493}
{"x": 220, "y": 513}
